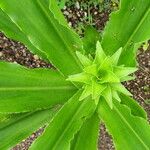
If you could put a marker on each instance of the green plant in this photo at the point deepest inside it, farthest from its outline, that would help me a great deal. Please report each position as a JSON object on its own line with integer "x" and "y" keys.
{"x": 61, "y": 3}
{"x": 31, "y": 98}
{"x": 145, "y": 45}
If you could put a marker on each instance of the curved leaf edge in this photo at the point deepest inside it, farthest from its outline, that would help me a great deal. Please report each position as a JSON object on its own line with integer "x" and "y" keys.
{"x": 66, "y": 24}
{"x": 84, "y": 119}
{"x": 134, "y": 46}
{"x": 45, "y": 122}
{"x": 41, "y": 54}
{"x": 131, "y": 115}
{"x": 141, "y": 112}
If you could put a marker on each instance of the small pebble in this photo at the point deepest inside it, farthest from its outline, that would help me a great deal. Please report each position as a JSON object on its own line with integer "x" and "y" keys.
{"x": 36, "y": 57}
{"x": 77, "y": 5}
{"x": 1, "y": 54}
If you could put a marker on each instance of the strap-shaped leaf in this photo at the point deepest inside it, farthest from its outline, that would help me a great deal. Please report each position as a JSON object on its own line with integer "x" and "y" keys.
{"x": 126, "y": 27}
{"x": 45, "y": 32}
{"x": 21, "y": 126}
{"x": 12, "y": 31}
{"x": 65, "y": 124}
{"x": 90, "y": 39}
{"x": 136, "y": 109}
{"x": 23, "y": 89}
{"x": 7, "y": 119}
{"x": 87, "y": 137}
{"x": 54, "y": 8}
{"x": 128, "y": 131}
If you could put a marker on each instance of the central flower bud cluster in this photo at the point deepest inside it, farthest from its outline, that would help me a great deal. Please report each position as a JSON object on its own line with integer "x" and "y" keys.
{"x": 102, "y": 76}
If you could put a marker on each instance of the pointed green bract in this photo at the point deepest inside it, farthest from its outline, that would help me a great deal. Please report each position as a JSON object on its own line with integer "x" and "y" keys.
{"x": 86, "y": 92}
{"x": 83, "y": 59}
{"x": 107, "y": 94}
{"x": 80, "y": 77}
{"x": 108, "y": 76}
{"x": 120, "y": 88}
{"x": 122, "y": 72}
{"x": 97, "y": 89}
{"x": 102, "y": 76}
{"x": 91, "y": 70}
{"x": 106, "y": 64}
{"x": 115, "y": 57}
{"x": 115, "y": 95}
{"x": 99, "y": 54}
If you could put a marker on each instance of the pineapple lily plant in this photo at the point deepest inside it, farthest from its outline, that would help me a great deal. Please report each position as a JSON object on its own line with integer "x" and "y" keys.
{"x": 86, "y": 87}
{"x": 102, "y": 76}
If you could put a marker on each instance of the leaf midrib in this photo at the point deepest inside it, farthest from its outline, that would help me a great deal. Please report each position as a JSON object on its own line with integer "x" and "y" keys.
{"x": 126, "y": 122}
{"x": 136, "y": 29}
{"x": 63, "y": 133}
{"x": 36, "y": 88}
{"x": 65, "y": 43}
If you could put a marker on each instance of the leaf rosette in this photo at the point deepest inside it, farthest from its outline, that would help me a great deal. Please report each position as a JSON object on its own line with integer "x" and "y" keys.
{"x": 102, "y": 76}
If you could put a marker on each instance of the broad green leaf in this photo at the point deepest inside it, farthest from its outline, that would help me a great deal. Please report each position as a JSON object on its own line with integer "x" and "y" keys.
{"x": 24, "y": 126}
{"x": 23, "y": 89}
{"x": 12, "y": 31}
{"x": 87, "y": 137}
{"x": 126, "y": 27}
{"x": 65, "y": 124}
{"x": 128, "y": 131}
{"x": 45, "y": 32}
{"x": 136, "y": 109}
{"x": 7, "y": 119}
{"x": 90, "y": 39}
{"x": 54, "y": 8}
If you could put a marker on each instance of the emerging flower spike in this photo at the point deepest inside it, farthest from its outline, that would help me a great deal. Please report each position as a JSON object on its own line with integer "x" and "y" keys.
{"x": 102, "y": 76}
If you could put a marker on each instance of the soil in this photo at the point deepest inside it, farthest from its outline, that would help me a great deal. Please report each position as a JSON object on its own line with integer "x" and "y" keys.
{"x": 13, "y": 51}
